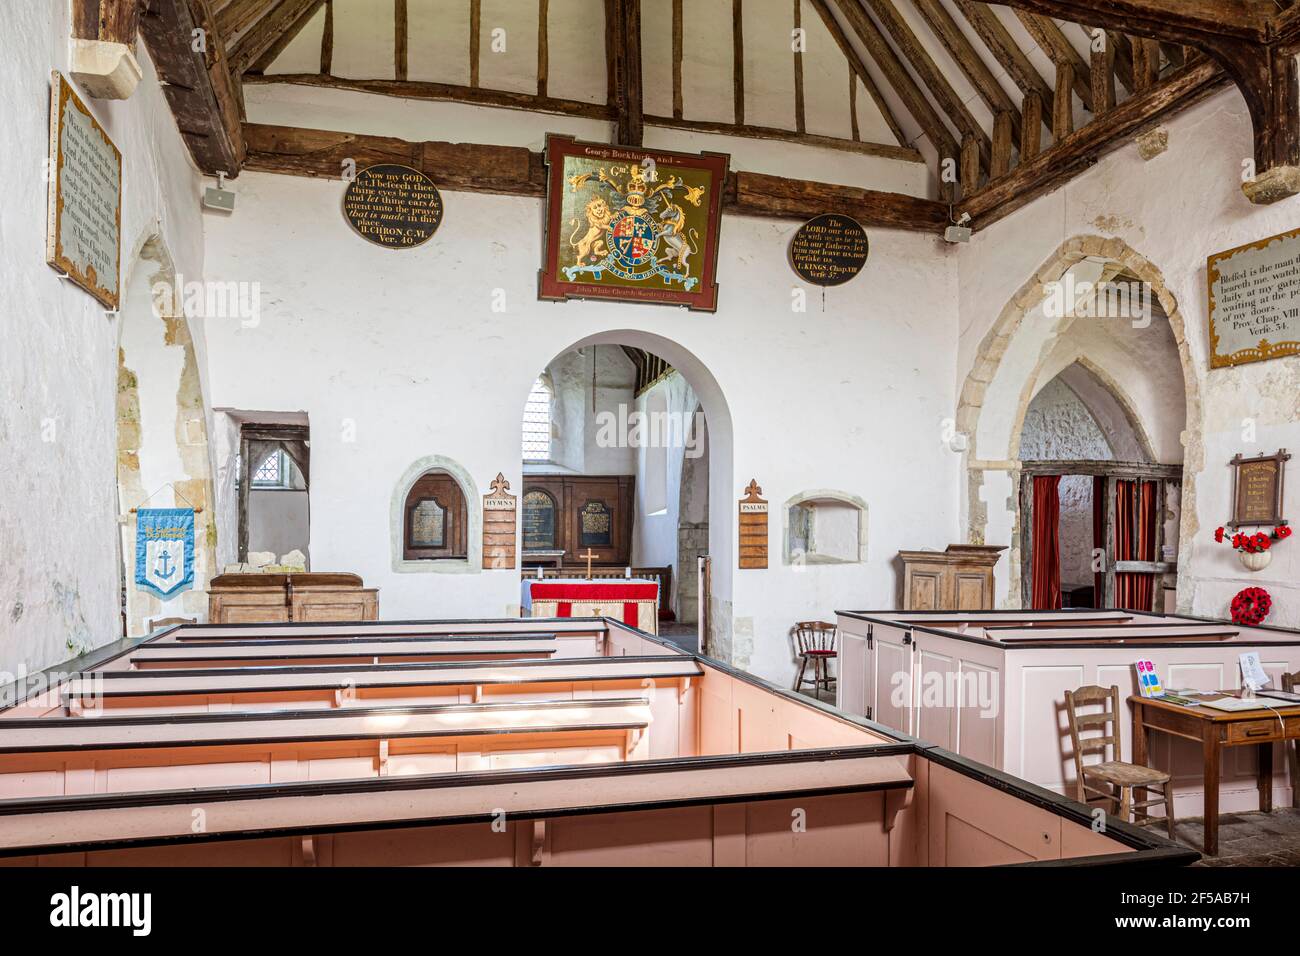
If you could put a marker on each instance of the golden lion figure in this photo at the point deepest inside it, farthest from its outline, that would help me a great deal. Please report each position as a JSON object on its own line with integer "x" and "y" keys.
{"x": 592, "y": 243}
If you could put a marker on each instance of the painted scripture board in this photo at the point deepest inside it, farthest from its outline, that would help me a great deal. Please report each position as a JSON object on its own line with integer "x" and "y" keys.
{"x": 1255, "y": 301}
{"x": 83, "y": 237}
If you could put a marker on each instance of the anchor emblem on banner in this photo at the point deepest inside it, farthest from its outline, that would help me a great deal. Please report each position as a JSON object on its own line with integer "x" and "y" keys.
{"x": 165, "y": 567}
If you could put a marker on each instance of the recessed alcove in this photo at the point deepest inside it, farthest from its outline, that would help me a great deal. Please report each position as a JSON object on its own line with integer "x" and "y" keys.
{"x": 825, "y": 527}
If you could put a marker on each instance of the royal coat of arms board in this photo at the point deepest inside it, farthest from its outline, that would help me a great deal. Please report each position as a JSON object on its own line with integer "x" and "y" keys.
{"x": 630, "y": 224}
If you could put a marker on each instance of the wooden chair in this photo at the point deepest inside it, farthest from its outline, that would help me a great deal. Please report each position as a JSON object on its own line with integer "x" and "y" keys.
{"x": 1289, "y": 684}
{"x": 1122, "y": 778}
{"x": 815, "y": 644}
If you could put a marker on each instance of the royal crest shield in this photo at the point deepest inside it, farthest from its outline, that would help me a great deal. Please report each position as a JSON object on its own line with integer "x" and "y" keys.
{"x": 636, "y": 225}
{"x": 164, "y": 550}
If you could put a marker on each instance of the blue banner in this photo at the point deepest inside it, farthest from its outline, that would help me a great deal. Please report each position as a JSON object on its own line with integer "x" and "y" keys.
{"x": 164, "y": 550}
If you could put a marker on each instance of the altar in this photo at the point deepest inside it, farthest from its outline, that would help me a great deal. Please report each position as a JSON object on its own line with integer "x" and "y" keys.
{"x": 633, "y": 601}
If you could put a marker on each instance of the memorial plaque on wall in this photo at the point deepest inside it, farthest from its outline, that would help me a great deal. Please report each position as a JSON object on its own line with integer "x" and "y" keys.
{"x": 829, "y": 250}
{"x": 1255, "y": 301}
{"x": 1258, "y": 489}
{"x": 428, "y": 524}
{"x": 539, "y": 521}
{"x": 753, "y": 528}
{"x": 393, "y": 206}
{"x": 499, "y": 525}
{"x": 594, "y": 526}
{"x": 83, "y": 237}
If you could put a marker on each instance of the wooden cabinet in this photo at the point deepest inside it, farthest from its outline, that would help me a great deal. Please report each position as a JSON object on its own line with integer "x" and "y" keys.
{"x": 572, "y": 513}
{"x": 279, "y": 598}
{"x": 959, "y": 579}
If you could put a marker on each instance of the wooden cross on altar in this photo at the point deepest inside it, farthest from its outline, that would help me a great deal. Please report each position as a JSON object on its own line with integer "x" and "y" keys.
{"x": 589, "y": 555}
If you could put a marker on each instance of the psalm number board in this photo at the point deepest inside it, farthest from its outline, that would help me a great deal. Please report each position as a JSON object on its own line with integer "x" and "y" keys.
{"x": 753, "y": 528}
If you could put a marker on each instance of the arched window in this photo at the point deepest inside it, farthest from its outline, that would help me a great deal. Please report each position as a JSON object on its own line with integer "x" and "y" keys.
{"x": 537, "y": 423}
{"x": 435, "y": 523}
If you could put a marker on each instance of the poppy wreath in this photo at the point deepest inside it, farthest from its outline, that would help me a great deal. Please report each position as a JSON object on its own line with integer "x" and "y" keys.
{"x": 1251, "y": 606}
{"x": 1256, "y": 543}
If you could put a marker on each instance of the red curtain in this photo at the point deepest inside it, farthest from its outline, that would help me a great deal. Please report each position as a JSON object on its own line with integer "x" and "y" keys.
{"x": 1099, "y": 505}
{"x": 1046, "y": 569}
{"x": 1135, "y": 508}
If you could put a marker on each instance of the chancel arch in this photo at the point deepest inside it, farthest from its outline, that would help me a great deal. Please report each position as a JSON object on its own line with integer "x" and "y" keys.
{"x": 1095, "y": 315}
{"x": 641, "y": 442}
{"x": 162, "y": 437}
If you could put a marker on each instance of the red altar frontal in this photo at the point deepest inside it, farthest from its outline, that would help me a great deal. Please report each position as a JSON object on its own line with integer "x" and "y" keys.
{"x": 633, "y": 601}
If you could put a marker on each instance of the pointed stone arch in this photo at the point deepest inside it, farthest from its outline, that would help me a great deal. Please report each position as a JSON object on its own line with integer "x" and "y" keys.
{"x": 162, "y": 433}
{"x": 1000, "y": 457}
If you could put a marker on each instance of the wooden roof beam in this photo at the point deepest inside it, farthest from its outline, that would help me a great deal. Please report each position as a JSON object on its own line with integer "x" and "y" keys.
{"x": 203, "y": 95}
{"x": 900, "y": 80}
{"x": 623, "y": 61}
{"x": 516, "y": 171}
{"x": 1082, "y": 148}
{"x": 969, "y": 61}
{"x": 1008, "y": 53}
{"x": 1177, "y": 21}
{"x": 237, "y": 15}
{"x": 859, "y": 68}
{"x": 260, "y": 37}
{"x": 1250, "y": 39}
{"x": 933, "y": 78}
{"x": 1053, "y": 42}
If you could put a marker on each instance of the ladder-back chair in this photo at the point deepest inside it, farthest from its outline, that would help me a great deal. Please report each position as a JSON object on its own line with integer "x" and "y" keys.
{"x": 1122, "y": 778}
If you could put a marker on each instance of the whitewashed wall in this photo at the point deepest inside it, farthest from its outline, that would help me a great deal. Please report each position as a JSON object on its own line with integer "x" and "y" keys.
{"x": 405, "y": 346}
{"x": 58, "y": 367}
{"x": 1175, "y": 211}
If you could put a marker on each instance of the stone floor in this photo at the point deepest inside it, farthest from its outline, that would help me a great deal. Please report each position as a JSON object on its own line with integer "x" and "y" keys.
{"x": 1246, "y": 839}
{"x": 684, "y": 636}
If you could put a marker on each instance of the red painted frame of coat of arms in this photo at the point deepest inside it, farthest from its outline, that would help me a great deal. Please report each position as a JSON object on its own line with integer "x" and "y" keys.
{"x": 633, "y": 225}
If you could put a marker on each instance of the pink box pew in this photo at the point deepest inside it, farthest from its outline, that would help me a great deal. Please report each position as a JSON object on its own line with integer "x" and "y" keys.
{"x": 343, "y": 650}
{"x": 991, "y": 686}
{"x": 639, "y": 756}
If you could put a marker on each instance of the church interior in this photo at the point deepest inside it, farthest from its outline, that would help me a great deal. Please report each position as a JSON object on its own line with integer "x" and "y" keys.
{"x": 645, "y": 421}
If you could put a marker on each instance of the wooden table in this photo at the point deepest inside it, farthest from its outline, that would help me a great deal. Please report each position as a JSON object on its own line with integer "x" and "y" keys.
{"x": 1217, "y": 729}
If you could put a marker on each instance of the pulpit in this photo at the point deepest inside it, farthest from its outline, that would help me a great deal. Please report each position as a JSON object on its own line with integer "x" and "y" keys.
{"x": 959, "y": 579}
